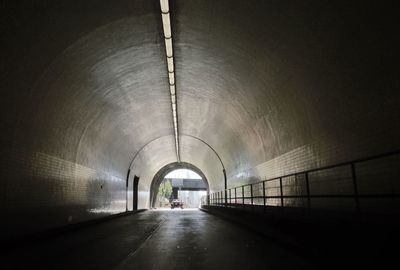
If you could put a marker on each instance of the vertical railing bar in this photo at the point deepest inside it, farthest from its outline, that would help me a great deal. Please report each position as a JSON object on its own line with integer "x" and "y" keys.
{"x": 229, "y": 192}
{"x": 308, "y": 191}
{"x": 243, "y": 196}
{"x": 281, "y": 188}
{"x": 251, "y": 195}
{"x": 263, "y": 187}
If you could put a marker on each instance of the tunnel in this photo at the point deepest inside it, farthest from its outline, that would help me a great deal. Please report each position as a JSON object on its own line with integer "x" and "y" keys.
{"x": 289, "y": 109}
{"x": 163, "y": 172}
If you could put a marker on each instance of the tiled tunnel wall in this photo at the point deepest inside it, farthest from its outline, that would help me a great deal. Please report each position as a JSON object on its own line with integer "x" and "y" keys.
{"x": 55, "y": 189}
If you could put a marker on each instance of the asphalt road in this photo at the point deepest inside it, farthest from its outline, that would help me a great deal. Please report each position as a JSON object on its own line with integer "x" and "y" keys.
{"x": 156, "y": 239}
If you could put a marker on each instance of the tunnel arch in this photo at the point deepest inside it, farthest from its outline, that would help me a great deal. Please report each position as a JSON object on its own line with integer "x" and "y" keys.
{"x": 159, "y": 177}
{"x": 187, "y": 159}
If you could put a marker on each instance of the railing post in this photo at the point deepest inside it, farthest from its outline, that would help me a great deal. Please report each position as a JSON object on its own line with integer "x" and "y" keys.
{"x": 356, "y": 197}
{"x": 230, "y": 197}
{"x": 243, "y": 195}
{"x": 251, "y": 195}
{"x": 235, "y": 197}
{"x": 225, "y": 182}
{"x": 263, "y": 187}
{"x": 308, "y": 191}
{"x": 281, "y": 188}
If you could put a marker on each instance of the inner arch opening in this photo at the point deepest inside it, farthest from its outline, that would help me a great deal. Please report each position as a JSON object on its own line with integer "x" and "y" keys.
{"x": 181, "y": 181}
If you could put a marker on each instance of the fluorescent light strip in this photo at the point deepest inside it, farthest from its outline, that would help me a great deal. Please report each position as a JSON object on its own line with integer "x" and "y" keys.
{"x": 168, "y": 46}
{"x": 170, "y": 63}
{"x": 166, "y": 22}
{"x": 164, "y": 6}
{"x": 172, "y": 89}
{"x": 171, "y": 78}
{"x": 166, "y": 25}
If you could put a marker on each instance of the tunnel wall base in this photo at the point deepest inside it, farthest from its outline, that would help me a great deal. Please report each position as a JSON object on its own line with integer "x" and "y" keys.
{"x": 23, "y": 237}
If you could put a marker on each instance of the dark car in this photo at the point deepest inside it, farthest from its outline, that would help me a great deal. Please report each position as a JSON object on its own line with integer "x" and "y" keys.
{"x": 176, "y": 203}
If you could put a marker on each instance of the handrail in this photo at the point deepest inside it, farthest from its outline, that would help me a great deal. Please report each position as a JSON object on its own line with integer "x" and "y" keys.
{"x": 240, "y": 200}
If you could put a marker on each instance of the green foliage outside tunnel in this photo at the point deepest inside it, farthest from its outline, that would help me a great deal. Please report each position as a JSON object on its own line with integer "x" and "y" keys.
{"x": 164, "y": 193}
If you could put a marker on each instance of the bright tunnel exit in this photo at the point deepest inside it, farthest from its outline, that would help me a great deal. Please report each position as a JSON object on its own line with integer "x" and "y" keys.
{"x": 181, "y": 189}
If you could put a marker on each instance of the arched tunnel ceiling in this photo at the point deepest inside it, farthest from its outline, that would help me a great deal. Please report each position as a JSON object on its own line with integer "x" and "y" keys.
{"x": 255, "y": 80}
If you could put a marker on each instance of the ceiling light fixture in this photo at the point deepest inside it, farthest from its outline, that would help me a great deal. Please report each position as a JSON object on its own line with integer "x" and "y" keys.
{"x": 166, "y": 22}
{"x": 170, "y": 63}
{"x": 171, "y": 78}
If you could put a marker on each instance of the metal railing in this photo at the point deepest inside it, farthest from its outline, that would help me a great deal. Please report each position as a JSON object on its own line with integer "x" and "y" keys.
{"x": 302, "y": 189}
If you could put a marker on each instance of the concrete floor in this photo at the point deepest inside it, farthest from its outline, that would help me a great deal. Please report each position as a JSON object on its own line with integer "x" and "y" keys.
{"x": 156, "y": 239}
